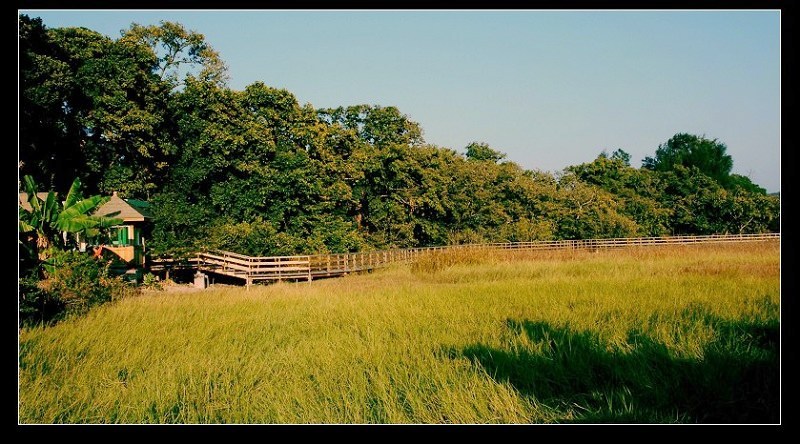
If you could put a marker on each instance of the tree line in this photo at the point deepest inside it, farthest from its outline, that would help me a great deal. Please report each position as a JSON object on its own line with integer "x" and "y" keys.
{"x": 150, "y": 115}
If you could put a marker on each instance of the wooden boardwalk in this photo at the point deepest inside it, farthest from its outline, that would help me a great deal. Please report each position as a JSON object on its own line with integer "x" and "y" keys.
{"x": 294, "y": 268}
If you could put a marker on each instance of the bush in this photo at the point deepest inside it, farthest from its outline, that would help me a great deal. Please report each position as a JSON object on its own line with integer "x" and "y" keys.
{"x": 72, "y": 283}
{"x": 256, "y": 238}
{"x": 36, "y": 305}
{"x": 150, "y": 281}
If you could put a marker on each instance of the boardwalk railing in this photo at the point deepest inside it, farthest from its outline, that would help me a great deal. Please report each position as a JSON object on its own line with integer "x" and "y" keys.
{"x": 278, "y": 268}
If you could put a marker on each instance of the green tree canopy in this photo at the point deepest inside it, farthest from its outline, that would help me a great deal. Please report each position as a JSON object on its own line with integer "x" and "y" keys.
{"x": 707, "y": 155}
{"x": 178, "y": 51}
{"x": 482, "y": 151}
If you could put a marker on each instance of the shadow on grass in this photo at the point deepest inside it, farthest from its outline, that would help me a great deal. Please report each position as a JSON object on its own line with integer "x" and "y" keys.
{"x": 736, "y": 381}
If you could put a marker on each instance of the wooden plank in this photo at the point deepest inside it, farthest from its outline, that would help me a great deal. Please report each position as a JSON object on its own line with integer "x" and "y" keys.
{"x": 276, "y": 263}
{"x": 276, "y": 269}
{"x": 233, "y": 260}
{"x": 226, "y": 264}
{"x": 229, "y": 254}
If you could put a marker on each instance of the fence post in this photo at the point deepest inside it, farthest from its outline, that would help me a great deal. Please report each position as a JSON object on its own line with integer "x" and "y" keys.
{"x": 249, "y": 271}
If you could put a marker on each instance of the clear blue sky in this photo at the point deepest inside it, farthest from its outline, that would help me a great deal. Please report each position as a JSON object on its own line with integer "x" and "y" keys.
{"x": 549, "y": 88}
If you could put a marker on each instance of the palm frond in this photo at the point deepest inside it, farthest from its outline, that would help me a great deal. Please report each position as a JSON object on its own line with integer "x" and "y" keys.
{"x": 91, "y": 232}
{"x": 77, "y": 224}
{"x": 74, "y": 193}
{"x": 25, "y": 227}
{"x": 76, "y": 210}
{"x": 50, "y": 208}
{"x": 30, "y": 188}
{"x": 27, "y": 217}
{"x": 107, "y": 221}
{"x": 83, "y": 222}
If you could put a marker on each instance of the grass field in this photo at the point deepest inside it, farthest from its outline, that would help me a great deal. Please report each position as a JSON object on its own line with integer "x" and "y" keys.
{"x": 658, "y": 334}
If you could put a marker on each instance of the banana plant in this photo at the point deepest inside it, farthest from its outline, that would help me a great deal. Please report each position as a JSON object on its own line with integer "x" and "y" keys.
{"x": 49, "y": 218}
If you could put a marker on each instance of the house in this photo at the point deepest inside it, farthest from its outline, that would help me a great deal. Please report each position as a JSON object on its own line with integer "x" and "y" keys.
{"x": 128, "y": 238}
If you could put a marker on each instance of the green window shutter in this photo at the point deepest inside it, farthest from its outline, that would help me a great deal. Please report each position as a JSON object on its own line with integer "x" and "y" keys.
{"x": 122, "y": 235}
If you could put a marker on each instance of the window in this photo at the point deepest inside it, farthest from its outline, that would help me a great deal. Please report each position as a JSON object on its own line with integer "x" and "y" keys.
{"x": 121, "y": 236}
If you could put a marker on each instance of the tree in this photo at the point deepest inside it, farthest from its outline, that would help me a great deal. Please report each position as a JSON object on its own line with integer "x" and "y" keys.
{"x": 695, "y": 200}
{"x": 636, "y": 189}
{"x": 622, "y": 156}
{"x": 589, "y": 212}
{"x": 92, "y": 107}
{"x": 258, "y": 155}
{"x": 737, "y": 181}
{"x": 482, "y": 152}
{"x": 746, "y": 212}
{"x": 688, "y": 150}
{"x": 47, "y": 132}
{"x": 377, "y": 125}
{"x": 179, "y": 50}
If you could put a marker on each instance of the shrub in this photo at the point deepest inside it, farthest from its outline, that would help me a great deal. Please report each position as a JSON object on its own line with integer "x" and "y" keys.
{"x": 35, "y": 304}
{"x": 150, "y": 281}
{"x": 72, "y": 283}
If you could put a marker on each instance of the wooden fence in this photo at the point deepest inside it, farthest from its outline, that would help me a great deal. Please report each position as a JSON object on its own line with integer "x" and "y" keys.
{"x": 308, "y": 267}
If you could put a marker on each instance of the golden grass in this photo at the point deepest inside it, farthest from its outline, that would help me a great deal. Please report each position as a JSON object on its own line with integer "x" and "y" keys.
{"x": 505, "y": 337}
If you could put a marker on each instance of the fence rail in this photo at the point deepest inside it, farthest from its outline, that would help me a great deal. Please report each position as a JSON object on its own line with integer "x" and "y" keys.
{"x": 308, "y": 267}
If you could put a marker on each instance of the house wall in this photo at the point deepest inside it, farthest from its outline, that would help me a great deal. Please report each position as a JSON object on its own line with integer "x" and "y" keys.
{"x": 128, "y": 244}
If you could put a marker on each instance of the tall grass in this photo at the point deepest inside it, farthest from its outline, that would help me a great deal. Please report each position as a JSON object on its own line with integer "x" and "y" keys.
{"x": 657, "y": 334}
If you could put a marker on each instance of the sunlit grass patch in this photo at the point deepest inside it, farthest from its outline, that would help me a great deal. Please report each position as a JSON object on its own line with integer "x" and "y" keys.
{"x": 661, "y": 334}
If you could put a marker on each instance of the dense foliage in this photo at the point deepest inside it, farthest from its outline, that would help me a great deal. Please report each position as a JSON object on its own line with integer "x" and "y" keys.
{"x": 69, "y": 283}
{"x": 149, "y": 115}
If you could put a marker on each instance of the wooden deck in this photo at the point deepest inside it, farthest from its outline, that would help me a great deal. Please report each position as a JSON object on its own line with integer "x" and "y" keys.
{"x": 294, "y": 268}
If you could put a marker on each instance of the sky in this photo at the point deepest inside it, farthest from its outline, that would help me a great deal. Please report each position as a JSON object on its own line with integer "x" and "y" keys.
{"x": 548, "y": 88}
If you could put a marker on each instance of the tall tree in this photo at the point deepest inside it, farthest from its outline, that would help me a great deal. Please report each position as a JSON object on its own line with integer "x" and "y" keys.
{"x": 707, "y": 155}
{"x": 637, "y": 189}
{"x": 48, "y": 134}
{"x": 179, "y": 51}
{"x": 92, "y": 107}
{"x": 483, "y": 152}
{"x": 377, "y": 125}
